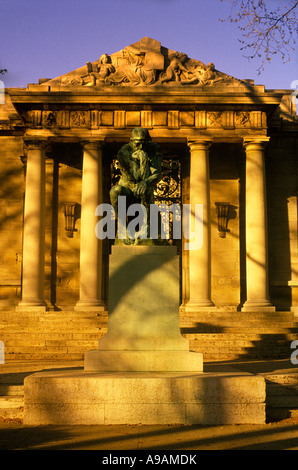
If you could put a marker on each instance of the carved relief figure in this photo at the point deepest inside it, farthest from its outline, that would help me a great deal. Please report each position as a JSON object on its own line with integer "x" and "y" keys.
{"x": 78, "y": 118}
{"x": 49, "y": 118}
{"x": 147, "y": 63}
{"x": 201, "y": 75}
{"x": 97, "y": 74}
{"x": 140, "y": 166}
{"x": 176, "y": 68}
{"x": 242, "y": 118}
{"x": 105, "y": 69}
{"x": 133, "y": 71}
{"x": 215, "y": 118}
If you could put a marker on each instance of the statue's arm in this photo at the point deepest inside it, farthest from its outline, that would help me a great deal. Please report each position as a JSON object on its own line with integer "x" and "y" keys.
{"x": 124, "y": 158}
{"x": 155, "y": 174}
{"x": 155, "y": 168}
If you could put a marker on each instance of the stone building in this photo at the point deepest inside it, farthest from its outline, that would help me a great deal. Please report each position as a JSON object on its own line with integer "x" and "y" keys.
{"x": 227, "y": 143}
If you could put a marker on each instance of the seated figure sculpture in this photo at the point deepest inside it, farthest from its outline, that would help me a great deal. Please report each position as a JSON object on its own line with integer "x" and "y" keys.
{"x": 140, "y": 166}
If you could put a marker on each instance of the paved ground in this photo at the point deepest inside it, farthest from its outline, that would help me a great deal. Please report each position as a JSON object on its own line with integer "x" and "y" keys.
{"x": 278, "y": 436}
{"x": 282, "y": 435}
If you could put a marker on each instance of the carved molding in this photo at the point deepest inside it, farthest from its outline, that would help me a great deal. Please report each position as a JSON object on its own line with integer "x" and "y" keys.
{"x": 79, "y": 119}
{"x": 122, "y": 119}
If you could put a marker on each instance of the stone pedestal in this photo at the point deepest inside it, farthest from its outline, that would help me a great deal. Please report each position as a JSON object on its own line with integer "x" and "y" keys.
{"x": 219, "y": 396}
{"x": 143, "y": 327}
{"x": 143, "y": 372}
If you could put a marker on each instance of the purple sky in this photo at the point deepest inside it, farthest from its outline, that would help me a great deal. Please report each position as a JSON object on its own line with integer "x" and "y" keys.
{"x": 47, "y": 38}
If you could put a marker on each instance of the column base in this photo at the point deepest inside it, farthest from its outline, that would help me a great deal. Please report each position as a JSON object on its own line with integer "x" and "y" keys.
{"x": 31, "y": 306}
{"x": 84, "y": 306}
{"x": 261, "y": 306}
{"x": 294, "y": 310}
{"x": 204, "y": 305}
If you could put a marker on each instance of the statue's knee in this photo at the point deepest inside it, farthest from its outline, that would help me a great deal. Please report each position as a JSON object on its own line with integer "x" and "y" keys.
{"x": 115, "y": 192}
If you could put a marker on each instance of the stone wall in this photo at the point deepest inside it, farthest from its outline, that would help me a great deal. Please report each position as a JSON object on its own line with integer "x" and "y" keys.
{"x": 282, "y": 154}
{"x": 67, "y": 250}
{"x": 11, "y": 218}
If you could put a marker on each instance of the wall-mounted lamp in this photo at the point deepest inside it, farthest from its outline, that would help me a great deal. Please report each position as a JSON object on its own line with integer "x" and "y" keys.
{"x": 223, "y": 209}
{"x": 72, "y": 213}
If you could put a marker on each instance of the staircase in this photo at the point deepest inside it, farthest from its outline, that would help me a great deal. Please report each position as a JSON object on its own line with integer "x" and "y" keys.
{"x": 59, "y": 336}
{"x": 31, "y": 340}
{"x": 230, "y": 336}
{"x": 219, "y": 335}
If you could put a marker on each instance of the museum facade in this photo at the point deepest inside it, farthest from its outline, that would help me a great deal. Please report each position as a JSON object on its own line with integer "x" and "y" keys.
{"x": 227, "y": 144}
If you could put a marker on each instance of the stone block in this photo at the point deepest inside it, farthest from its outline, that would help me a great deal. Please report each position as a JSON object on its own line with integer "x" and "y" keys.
{"x": 140, "y": 361}
{"x": 143, "y": 325}
{"x": 77, "y": 397}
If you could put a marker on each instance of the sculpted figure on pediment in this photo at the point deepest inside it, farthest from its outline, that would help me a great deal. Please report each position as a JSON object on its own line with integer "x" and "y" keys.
{"x": 201, "y": 75}
{"x": 134, "y": 70}
{"x": 206, "y": 75}
{"x": 176, "y": 70}
{"x": 105, "y": 69}
{"x": 146, "y": 63}
{"x": 97, "y": 74}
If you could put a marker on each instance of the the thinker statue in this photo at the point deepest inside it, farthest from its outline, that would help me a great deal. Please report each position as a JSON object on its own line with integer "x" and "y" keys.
{"x": 140, "y": 167}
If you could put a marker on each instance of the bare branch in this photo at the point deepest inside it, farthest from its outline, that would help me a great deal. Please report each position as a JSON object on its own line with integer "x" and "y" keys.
{"x": 265, "y": 32}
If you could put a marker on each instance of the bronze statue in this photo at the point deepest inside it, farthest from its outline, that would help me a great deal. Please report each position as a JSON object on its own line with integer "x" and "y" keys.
{"x": 140, "y": 166}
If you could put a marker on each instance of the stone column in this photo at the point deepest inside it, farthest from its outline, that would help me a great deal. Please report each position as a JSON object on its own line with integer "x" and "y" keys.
{"x": 256, "y": 228}
{"x": 200, "y": 256}
{"x": 34, "y": 229}
{"x": 91, "y": 246}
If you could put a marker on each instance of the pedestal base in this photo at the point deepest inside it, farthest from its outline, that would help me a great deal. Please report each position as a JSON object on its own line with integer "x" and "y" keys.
{"x": 78, "y": 397}
{"x": 143, "y": 361}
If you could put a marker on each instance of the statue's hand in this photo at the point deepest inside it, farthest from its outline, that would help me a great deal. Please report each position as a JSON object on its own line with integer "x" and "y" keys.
{"x": 140, "y": 189}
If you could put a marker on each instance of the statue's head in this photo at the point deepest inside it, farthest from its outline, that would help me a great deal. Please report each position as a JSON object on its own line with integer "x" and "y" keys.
{"x": 105, "y": 59}
{"x": 139, "y": 138}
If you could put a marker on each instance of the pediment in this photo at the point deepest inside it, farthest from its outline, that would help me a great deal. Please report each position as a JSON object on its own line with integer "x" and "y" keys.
{"x": 145, "y": 63}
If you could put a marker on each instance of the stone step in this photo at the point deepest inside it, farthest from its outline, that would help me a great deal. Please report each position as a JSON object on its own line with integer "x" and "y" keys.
{"x": 11, "y": 402}
{"x": 12, "y": 414}
{"x": 238, "y": 338}
{"x": 242, "y": 316}
{"x": 15, "y": 390}
{"x": 228, "y": 353}
{"x": 280, "y": 390}
{"x": 67, "y": 335}
{"x": 47, "y": 356}
{"x": 277, "y": 414}
{"x": 238, "y": 326}
{"x": 288, "y": 379}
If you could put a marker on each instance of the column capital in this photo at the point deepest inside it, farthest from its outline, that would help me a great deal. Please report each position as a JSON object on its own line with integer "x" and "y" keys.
{"x": 33, "y": 143}
{"x": 199, "y": 144}
{"x": 260, "y": 142}
{"x": 92, "y": 144}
